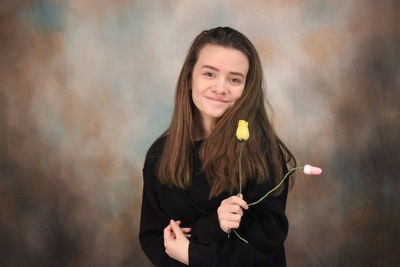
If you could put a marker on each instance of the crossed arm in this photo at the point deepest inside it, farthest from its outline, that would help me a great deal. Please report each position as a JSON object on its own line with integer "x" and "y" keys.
{"x": 176, "y": 241}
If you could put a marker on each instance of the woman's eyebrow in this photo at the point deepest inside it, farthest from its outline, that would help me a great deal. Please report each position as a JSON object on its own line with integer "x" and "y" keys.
{"x": 231, "y": 72}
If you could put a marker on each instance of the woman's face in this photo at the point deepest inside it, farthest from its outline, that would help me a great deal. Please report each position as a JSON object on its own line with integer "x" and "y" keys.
{"x": 218, "y": 80}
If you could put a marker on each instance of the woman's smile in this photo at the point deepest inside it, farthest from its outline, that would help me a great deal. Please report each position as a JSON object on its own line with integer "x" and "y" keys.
{"x": 216, "y": 99}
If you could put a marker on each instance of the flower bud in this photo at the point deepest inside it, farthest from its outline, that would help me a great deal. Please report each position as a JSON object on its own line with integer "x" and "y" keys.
{"x": 242, "y": 132}
{"x": 311, "y": 170}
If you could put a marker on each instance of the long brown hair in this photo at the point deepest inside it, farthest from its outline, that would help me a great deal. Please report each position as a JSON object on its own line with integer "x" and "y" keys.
{"x": 262, "y": 154}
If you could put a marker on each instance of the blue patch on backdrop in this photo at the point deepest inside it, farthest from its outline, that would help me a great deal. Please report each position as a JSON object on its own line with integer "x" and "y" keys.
{"x": 158, "y": 121}
{"x": 45, "y": 15}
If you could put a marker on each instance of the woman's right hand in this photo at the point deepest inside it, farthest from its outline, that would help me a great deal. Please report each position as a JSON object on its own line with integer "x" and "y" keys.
{"x": 230, "y": 212}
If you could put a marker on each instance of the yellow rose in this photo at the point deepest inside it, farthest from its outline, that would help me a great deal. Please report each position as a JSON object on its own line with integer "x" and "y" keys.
{"x": 242, "y": 132}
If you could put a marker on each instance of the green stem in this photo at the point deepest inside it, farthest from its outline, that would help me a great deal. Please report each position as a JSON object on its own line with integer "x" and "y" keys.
{"x": 263, "y": 197}
{"x": 276, "y": 187}
{"x": 240, "y": 168}
{"x": 241, "y": 238}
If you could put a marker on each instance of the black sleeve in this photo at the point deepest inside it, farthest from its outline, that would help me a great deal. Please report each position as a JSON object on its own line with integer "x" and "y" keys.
{"x": 207, "y": 230}
{"x": 264, "y": 226}
{"x": 152, "y": 223}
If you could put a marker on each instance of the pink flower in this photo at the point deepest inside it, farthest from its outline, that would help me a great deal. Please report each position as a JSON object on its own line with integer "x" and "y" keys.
{"x": 311, "y": 170}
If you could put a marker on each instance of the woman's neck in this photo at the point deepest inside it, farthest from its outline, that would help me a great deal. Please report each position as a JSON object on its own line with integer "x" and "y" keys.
{"x": 201, "y": 127}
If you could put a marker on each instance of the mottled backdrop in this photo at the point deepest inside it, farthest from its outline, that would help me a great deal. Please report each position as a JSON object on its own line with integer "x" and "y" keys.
{"x": 87, "y": 85}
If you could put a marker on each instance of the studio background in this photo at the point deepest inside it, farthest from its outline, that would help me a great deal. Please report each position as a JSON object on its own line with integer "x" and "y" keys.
{"x": 87, "y": 86}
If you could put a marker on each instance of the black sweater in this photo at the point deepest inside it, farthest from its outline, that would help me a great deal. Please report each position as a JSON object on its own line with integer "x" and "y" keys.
{"x": 264, "y": 225}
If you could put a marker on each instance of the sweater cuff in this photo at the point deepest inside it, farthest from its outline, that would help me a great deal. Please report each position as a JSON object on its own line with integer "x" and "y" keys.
{"x": 209, "y": 231}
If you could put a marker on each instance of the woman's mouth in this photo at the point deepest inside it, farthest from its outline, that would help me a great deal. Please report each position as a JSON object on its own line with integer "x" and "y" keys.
{"x": 216, "y": 99}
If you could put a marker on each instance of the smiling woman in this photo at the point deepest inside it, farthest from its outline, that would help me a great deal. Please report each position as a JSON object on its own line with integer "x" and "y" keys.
{"x": 190, "y": 172}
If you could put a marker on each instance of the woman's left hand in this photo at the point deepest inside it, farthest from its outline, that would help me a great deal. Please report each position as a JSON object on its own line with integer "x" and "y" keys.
{"x": 175, "y": 242}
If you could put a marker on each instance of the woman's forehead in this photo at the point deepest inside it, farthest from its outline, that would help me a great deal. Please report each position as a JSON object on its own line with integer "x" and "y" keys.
{"x": 223, "y": 58}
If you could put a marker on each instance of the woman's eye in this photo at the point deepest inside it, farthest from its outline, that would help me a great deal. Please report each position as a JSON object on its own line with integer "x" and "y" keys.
{"x": 235, "y": 80}
{"x": 209, "y": 74}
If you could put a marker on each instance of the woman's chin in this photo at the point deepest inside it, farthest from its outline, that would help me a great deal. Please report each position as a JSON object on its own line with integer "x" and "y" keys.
{"x": 216, "y": 114}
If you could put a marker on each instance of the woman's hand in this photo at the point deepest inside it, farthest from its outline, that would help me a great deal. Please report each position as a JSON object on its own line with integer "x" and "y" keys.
{"x": 185, "y": 230}
{"x": 176, "y": 243}
{"x": 230, "y": 212}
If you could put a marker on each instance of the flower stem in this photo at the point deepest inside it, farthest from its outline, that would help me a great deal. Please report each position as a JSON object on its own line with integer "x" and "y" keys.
{"x": 241, "y": 238}
{"x": 263, "y": 197}
{"x": 276, "y": 187}
{"x": 240, "y": 168}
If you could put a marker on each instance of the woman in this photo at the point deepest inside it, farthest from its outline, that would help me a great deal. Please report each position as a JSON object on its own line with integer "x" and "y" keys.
{"x": 190, "y": 203}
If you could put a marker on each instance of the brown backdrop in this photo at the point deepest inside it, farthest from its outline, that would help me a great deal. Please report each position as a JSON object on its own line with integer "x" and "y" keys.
{"x": 86, "y": 86}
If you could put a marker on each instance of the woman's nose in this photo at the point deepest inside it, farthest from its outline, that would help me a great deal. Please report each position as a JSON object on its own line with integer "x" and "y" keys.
{"x": 220, "y": 86}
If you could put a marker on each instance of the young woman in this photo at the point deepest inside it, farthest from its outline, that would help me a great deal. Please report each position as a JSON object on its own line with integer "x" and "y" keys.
{"x": 191, "y": 181}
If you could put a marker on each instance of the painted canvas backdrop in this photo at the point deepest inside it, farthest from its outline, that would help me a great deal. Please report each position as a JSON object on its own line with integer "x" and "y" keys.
{"x": 86, "y": 86}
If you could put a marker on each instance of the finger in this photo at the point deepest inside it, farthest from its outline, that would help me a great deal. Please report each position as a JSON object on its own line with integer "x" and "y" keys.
{"x": 233, "y": 225}
{"x": 186, "y": 230}
{"x": 228, "y": 216}
{"x": 229, "y": 200}
{"x": 182, "y": 228}
{"x": 188, "y": 235}
{"x": 237, "y": 200}
{"x": 234, "y": 218}
{"x": 235, "y": 209}
{"x": 171, "y": 233}
{"x": 167, "y": 233}
{"x": 167, "y": 228}
{"x": 230, "y": 225}
{"x": 228, "y": 209}
{"x": 231, "y": 218}
{"x": 176, "y": 229}
{"x": 234, "y": 200}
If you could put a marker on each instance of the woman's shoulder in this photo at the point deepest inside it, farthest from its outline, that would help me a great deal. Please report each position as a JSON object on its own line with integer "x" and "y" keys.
{"x": 154, "y": 152}
{"x": 157, "y": 146}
